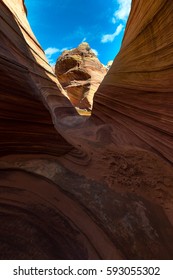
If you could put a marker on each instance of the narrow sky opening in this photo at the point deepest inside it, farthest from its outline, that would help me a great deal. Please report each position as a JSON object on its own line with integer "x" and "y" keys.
{"x": 64, "y": 24}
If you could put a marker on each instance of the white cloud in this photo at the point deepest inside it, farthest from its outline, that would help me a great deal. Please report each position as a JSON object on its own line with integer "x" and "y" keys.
{"x": 113, "y": 20}
{"x": 123, "y": 11}
{"x": 95, "y": 52}
{"x": 49, "y": 52}
{"x": 120, "y": 15}
{"x": 63, "y": 49}
{"x": 84, "y": 40}
{"x": 110, "y": 37}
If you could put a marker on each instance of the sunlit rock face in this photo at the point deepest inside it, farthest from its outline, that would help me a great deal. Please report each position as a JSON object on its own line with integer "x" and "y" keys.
{"x": 136, "y": 95}
{"x": 80, "y": 73}
{"x": 73, "y": 187}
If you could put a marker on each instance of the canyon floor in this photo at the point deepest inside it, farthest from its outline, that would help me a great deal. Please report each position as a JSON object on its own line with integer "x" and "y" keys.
{"x": 96, "y": 185}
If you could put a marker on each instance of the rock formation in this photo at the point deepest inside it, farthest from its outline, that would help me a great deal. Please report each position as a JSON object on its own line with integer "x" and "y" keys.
{"x": 109, "y": 64}
{"x": 136, "y": 95}
{"x": 27, "y": 84}
{"x": 74, "y": 187}
{"x": 80, "y": 73}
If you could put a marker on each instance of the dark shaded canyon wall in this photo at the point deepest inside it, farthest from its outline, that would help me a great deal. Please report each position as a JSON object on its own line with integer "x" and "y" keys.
{"x": 26, "y": 83}
{"x": 82, "y": 188}
{"x": 33, "y": 226}
{"x": 137, "y": 93}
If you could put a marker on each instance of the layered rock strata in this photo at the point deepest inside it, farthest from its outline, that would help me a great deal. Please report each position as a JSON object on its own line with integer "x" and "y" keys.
{"x": 27, "y": 83}
{"x": 80, "y": 73}
{"x": 87, "y": 188}
{"x": 136, "y": 94}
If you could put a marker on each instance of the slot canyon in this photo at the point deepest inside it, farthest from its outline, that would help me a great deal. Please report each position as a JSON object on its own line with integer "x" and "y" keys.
{"x": 87, "y": 187}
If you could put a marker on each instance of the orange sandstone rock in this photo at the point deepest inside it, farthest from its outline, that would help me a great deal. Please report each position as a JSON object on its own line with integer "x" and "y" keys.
{"x": 136, "y": 94}
{"x": 87, "y": 188}
{"x": 80, "y": 73}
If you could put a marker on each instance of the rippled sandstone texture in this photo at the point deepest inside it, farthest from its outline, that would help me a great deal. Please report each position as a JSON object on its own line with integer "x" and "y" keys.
{"x": 27, "y": 84}
{"x": 136, "y": 95}
{"x": 80, "y": 73}
{"x": 73, "y": 187}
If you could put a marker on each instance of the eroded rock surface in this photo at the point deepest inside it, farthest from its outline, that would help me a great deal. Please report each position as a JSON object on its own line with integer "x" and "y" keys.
{"x": 80, "y": 73}
{"x": 136, "y": 95}
{"x": 73, "y": 187}
{"x": 27, "y": 87}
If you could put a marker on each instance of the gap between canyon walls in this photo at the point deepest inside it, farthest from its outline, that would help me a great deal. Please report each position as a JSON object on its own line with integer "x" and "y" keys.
{"x": 92, "y": 188}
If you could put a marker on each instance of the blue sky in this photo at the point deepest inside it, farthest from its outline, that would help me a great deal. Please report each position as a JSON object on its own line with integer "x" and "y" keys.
{"x": 64, "y": 24}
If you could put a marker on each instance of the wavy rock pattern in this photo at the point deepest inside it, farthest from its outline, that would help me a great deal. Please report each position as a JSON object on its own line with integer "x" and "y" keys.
{"x": 45, "y": 224}
{"x": 73, "y": 187}
{"x": 137, "y": 92}
{"x": 27, "y": 84}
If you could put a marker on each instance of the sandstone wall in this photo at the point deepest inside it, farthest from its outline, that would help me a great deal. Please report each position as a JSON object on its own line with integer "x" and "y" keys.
{"x": 73, "y": 187}
{"x": 27, "y": 86}
{"x": 137, "y": 92}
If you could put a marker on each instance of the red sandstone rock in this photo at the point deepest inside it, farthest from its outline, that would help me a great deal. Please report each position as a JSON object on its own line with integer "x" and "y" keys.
{"x": 80, "y": 73}
{"x": 94, "y": 188}
{"x": 27, "y": 84}
{"x": 136, "y": 94}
